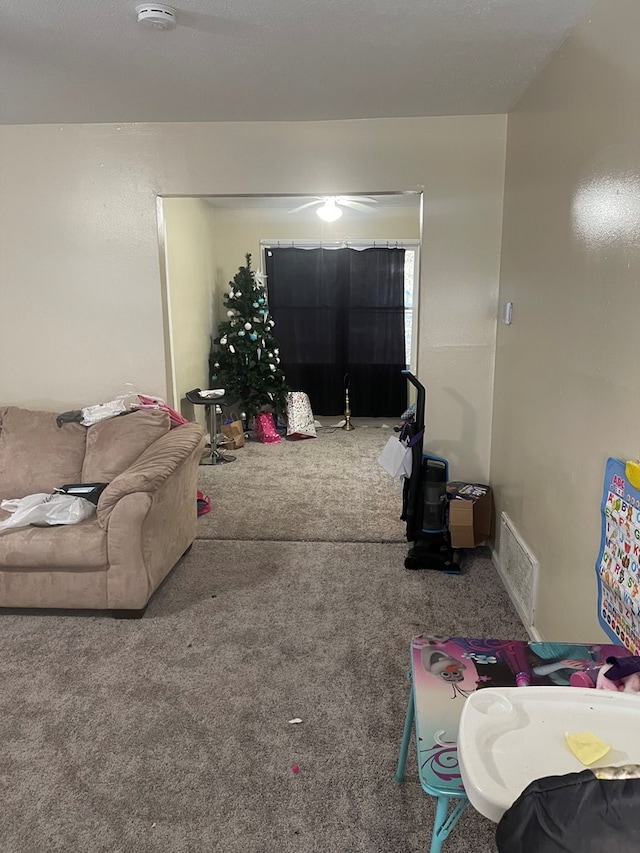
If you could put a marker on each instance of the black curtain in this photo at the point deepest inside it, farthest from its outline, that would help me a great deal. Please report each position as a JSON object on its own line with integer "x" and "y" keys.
{"x": 337, "y": 312}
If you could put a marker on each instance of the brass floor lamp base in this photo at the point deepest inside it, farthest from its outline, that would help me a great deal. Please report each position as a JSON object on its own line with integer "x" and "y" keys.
{"x": 348, "y": 426}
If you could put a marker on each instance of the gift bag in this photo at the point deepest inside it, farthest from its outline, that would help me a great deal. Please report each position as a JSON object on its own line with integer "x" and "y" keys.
{"x": 300, "y": 420}
{"x": 265, "y": 429}
{"x": 233, "y": 431}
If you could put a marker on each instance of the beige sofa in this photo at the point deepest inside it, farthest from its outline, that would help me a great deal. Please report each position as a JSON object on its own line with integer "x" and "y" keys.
{"x": 145, "y": 519}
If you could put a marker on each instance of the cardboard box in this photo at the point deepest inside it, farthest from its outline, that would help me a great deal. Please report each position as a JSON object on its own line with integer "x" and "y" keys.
{"x": 470, "y": 506}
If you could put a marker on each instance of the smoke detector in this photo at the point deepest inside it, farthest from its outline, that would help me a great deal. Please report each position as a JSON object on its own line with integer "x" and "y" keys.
{"x": 156, "y": 15}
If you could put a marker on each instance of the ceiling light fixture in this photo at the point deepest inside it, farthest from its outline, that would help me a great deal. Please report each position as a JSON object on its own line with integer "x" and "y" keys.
{"x": 156, "y": 15}
{"x": 329, "y": 211}
{"x": 331, "y": 205}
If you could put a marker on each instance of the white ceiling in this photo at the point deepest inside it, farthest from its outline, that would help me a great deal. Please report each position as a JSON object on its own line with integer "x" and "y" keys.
{"x": 67, "y": 61}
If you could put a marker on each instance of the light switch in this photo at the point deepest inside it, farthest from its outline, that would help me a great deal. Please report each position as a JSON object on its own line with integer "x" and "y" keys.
{"x": 507, "y": 313}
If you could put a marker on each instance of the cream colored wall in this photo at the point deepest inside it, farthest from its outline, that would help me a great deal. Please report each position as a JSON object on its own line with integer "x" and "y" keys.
{"x": 190, "y": 271}
{"x": 567, "y": 372}
{"x": 80, "y": 268}
{"x": 458, "y": 308}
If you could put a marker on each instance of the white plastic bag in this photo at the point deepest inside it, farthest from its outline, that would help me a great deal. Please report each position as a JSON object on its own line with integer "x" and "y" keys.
{"x": 396, "y": 458}
{"x": 122, "y": 403}
{"x": 44, "y": 510}
{"x": 94, "y": 414}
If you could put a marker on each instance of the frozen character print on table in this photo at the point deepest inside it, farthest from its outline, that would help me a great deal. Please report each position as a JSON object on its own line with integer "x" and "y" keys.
{"x": 450, "y": 670}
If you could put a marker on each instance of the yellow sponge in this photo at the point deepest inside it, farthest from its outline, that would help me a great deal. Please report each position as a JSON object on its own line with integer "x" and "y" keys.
{"x": 586, "y": 747}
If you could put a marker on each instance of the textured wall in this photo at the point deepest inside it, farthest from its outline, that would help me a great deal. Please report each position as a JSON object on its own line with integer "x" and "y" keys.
{"x": 81, "y": 307}
{"x": 567, "y": 371}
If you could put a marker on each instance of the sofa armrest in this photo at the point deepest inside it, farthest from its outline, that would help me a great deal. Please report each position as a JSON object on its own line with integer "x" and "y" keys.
{"x": 152, "y": 468}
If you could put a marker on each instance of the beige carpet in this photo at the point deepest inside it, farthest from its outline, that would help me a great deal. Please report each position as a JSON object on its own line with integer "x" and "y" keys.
{"x": 325, "y": 489}
{"x": 171, "y": 734}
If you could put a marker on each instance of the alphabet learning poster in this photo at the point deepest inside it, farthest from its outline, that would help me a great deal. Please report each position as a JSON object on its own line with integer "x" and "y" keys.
{"x": 619, "y": 559}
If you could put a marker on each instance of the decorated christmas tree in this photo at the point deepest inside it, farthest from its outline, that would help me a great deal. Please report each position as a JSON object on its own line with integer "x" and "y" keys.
{"x": 246, "y": 357}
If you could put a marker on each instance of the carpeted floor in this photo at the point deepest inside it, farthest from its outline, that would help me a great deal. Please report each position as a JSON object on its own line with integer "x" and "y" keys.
{"x": 327, "y": 489}
{"x": 171, "y": 734}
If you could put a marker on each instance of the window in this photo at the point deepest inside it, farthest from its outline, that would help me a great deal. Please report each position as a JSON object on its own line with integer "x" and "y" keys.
{"x": 409, "y": 271}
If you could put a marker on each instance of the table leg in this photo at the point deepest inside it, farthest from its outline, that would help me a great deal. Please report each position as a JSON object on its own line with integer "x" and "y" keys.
{"x": 444, "y": 822}
{"x": 406, "y": 737}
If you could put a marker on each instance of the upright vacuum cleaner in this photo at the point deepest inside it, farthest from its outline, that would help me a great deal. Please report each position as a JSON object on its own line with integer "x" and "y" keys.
{"x": 424, "y": 498}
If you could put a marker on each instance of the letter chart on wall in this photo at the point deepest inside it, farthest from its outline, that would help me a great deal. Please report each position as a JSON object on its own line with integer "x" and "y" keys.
{"x": 618, "y": 562}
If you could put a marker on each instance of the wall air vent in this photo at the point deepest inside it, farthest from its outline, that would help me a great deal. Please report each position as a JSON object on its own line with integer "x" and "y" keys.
{"x": 519, "y": 570}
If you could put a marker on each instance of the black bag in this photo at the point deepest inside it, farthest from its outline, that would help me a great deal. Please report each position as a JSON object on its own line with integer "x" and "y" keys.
{"x": 575, "y": 813}
{"x": 89, "y": 491}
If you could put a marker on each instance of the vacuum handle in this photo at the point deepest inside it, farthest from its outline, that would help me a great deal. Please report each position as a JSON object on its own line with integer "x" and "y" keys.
{"x": 422, "y": 394}
{"x": 412, "y": 379}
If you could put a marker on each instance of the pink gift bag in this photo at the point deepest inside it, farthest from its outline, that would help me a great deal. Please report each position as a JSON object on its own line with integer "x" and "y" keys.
{"x": 265, "y": 429}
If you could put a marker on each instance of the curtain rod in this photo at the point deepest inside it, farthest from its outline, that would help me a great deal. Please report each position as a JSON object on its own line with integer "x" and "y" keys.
{"x": 339, "y": 244}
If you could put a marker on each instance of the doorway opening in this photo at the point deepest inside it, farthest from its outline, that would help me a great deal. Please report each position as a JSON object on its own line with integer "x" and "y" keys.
{"x": 204, "y": 240}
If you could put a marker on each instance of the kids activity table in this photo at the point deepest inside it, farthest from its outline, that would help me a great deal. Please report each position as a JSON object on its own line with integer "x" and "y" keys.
{"x": 444, "y": 671}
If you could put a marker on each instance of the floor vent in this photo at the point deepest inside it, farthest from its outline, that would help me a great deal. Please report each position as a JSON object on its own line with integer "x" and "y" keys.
{"x": 519, "y": 570}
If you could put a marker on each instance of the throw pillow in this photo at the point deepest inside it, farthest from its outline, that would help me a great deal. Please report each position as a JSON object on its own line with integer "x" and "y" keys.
{"x": 115, "y": 444}
{"x": 36, "y": 455}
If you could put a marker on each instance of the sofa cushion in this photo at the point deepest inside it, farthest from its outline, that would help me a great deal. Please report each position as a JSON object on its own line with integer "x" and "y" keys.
{"x": 36, "y": 455}
{"x": 115, "y": 444}
{"x": 154, "y": 467}
{"x": 75, "y": 546}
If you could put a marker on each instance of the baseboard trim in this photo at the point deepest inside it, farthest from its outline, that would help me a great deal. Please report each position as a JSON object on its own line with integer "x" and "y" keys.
{"x": 531, "y": 630}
